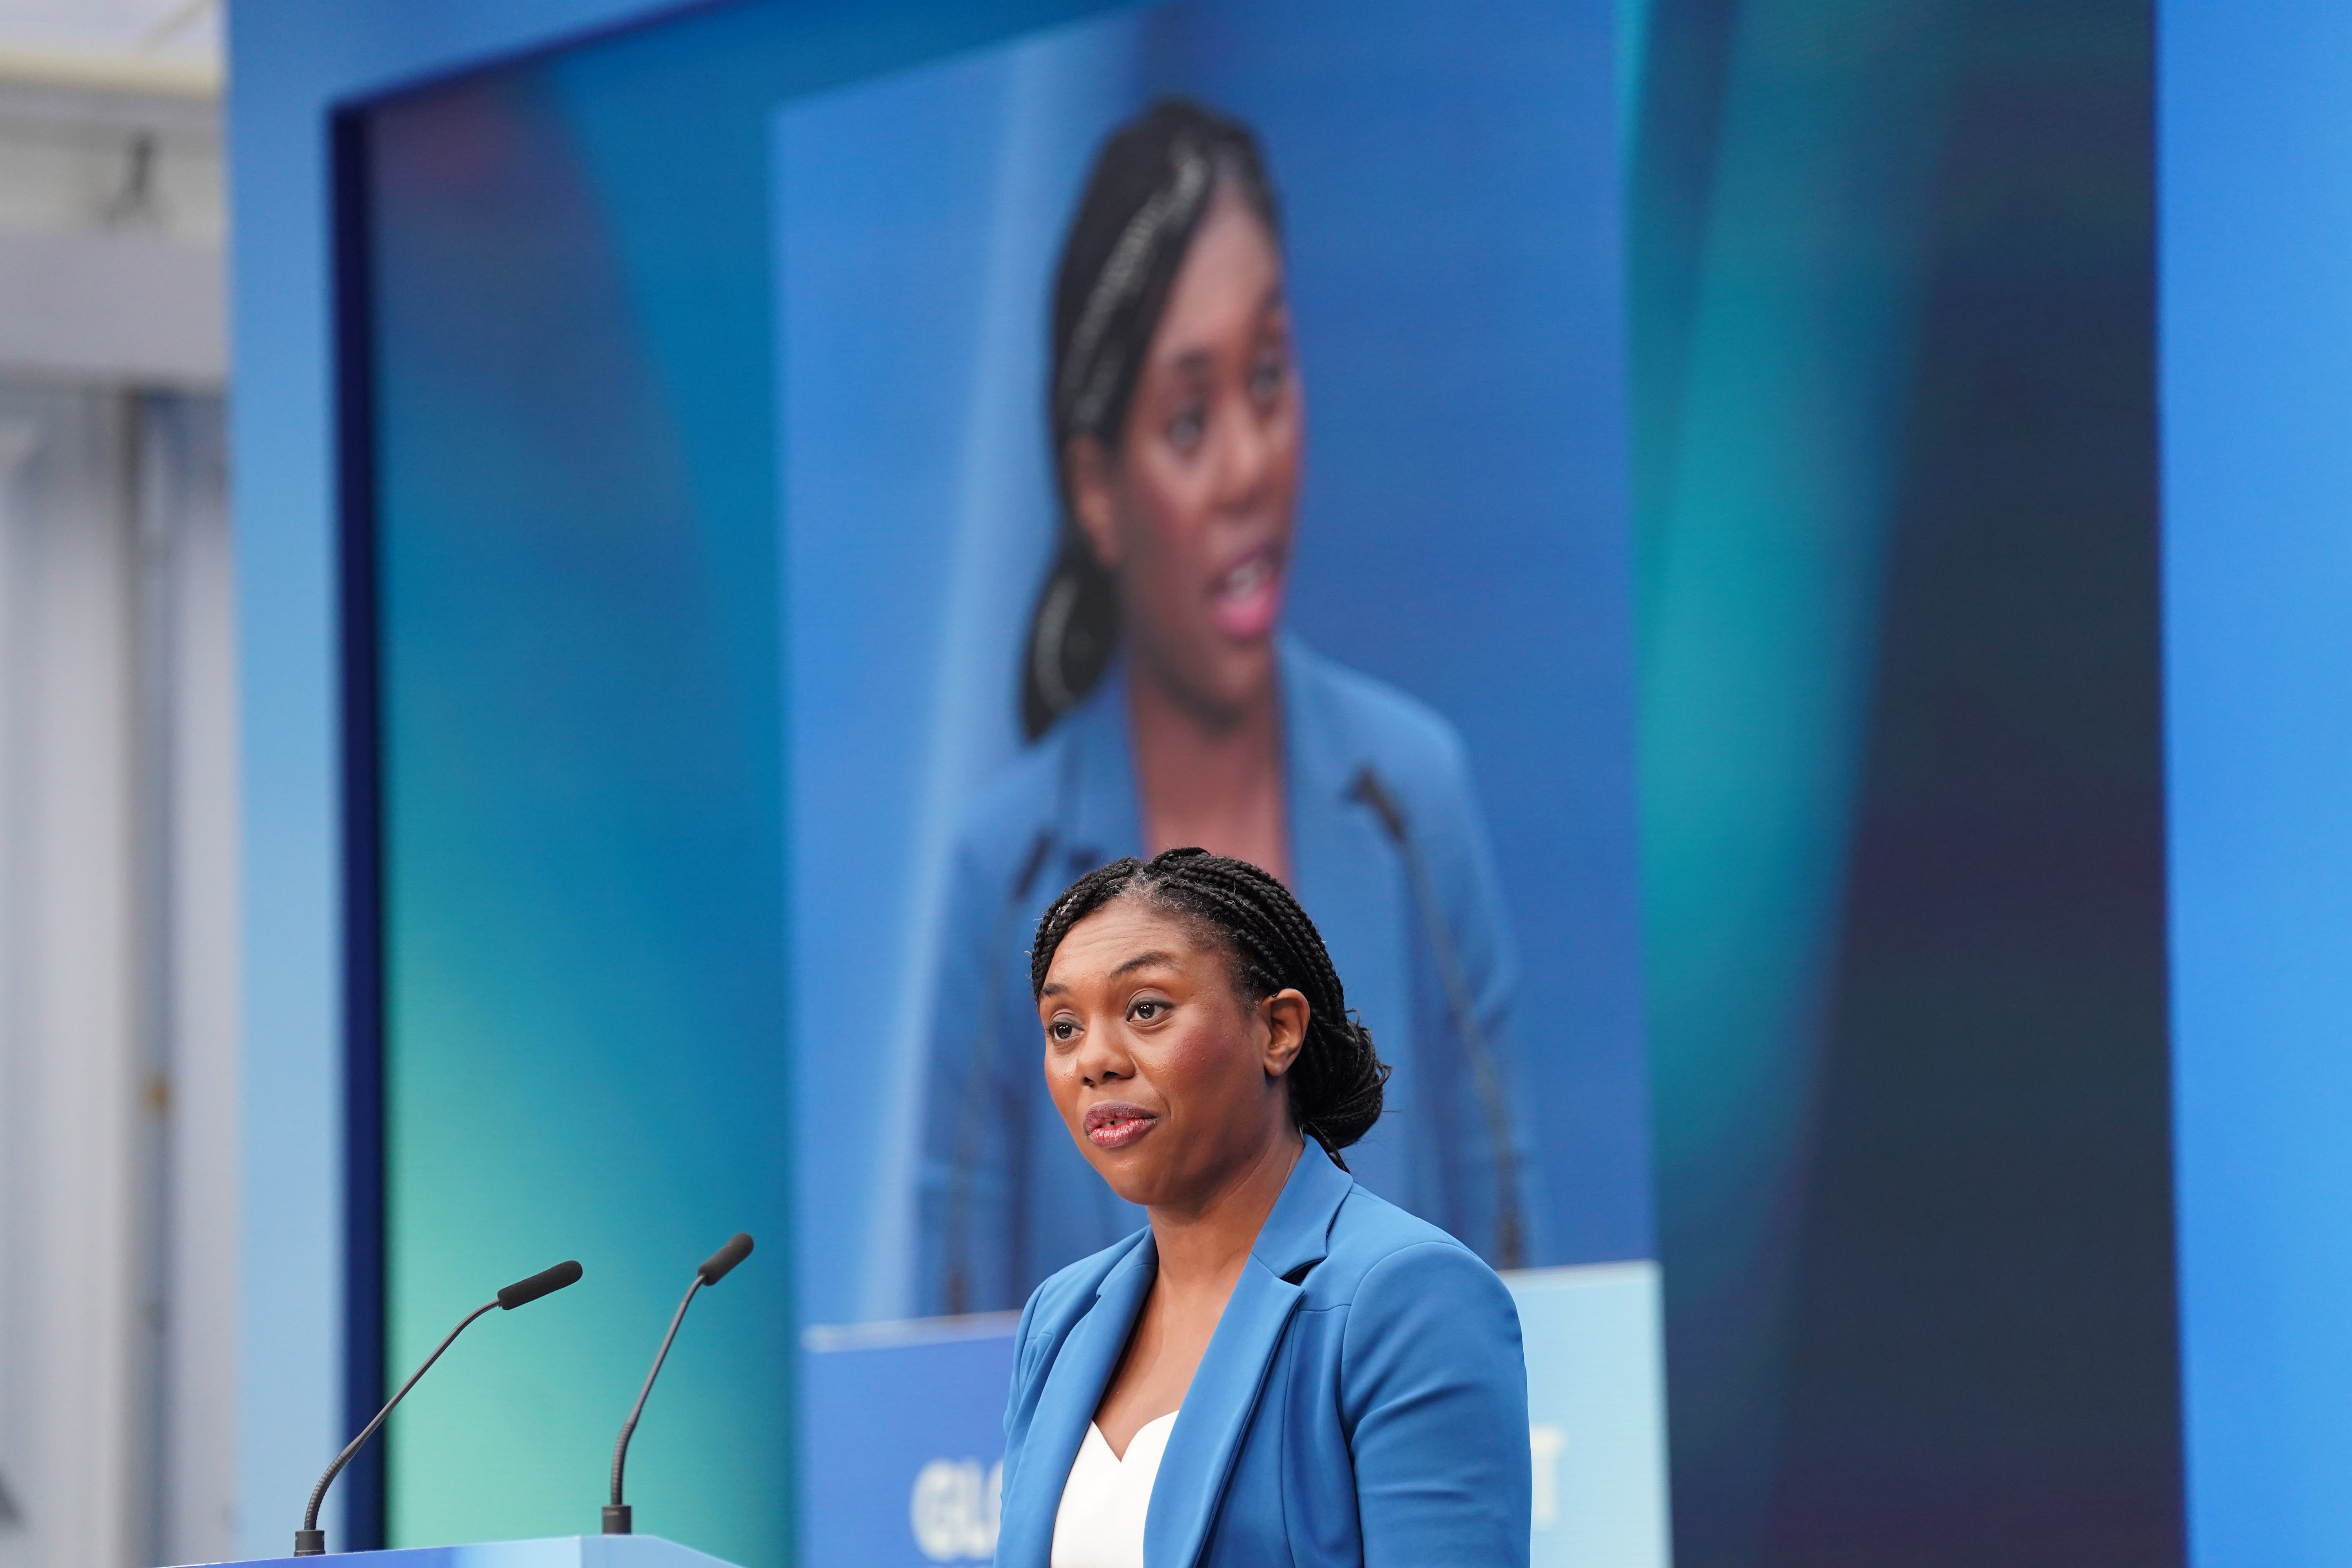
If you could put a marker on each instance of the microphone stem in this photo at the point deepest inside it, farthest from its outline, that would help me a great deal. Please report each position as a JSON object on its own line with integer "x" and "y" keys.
{"x": 1510, "y": 1233}
{"x": 621, "y": 1449}
{"x": 319, "y": 1494}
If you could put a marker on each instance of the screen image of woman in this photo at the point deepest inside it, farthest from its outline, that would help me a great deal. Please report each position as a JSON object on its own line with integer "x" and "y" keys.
{"x": 1167, "y": 707}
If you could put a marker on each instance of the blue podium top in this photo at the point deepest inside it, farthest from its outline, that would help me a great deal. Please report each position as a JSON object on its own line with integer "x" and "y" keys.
{"x": 560, "y": 1552}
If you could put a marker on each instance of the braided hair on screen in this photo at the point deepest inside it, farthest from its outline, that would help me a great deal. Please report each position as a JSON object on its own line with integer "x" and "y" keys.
{"x": 1153, "y": 181}
{"x": 1337, "y": 1079}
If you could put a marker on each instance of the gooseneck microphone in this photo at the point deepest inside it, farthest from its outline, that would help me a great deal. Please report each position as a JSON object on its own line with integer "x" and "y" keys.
{"x": 1510, "y": 1229}
{"x": 713, "y": 1270}
{"x": 310, "y": 1540}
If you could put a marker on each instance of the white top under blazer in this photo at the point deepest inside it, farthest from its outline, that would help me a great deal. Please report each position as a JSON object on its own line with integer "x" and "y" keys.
{"x": 1107, "y": 1498}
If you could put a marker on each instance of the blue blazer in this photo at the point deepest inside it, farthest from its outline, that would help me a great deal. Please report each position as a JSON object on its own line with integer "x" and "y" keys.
{"x": 1364, "y": 1400}
{"x": 1006, "y": 1198}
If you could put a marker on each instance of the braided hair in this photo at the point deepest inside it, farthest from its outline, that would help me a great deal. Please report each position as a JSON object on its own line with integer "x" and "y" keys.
{"x": 1270, "y": 945}
{"x": 1151, "y": 185}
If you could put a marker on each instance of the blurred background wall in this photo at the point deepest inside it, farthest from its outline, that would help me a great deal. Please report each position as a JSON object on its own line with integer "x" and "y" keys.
{"x": 118, "y": 873}
{"x": 1894, "y": 377}
{"x": 1955, "y": 233}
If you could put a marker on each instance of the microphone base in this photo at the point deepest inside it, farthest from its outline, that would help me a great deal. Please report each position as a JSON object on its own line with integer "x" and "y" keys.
{"x": 616, "y": 1518}
{"x": 309, "y": 1544}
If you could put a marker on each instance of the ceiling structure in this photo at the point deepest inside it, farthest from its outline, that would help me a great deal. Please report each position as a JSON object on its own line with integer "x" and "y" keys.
{"x": 111, "y": 209}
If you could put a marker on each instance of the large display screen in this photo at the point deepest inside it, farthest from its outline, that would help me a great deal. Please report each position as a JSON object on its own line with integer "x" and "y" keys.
{"x": 762, "y": 599}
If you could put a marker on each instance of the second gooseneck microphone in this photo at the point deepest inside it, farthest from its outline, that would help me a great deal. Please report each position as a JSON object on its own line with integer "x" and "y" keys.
{"x": 310, "y": 1540}
{"x": 713, "y": 1270}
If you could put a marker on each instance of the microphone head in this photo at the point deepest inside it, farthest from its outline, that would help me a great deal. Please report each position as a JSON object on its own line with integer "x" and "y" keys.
{"x": 546, "y": 1282}
{"x": 715, "y": 1267}
{"x": 1368, "y": 788}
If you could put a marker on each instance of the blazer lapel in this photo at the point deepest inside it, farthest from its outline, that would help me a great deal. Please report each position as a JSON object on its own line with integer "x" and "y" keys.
{"x": 1065, "y": 1407}
{"x": 1223, "y": 1394}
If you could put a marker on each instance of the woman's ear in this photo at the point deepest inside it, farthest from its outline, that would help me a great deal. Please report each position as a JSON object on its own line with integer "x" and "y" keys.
{"x": 1092, "y": 498}
{"x": 1284, "y": 1014}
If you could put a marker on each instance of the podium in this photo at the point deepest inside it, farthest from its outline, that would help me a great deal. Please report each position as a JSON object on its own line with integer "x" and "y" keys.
{"x": 902, "y": 1429}
{"x": 558, "y": 1552}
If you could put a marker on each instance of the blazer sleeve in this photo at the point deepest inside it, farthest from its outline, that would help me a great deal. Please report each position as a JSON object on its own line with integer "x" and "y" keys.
{"x": 1014, "y": 1404}
{"x": 1434, "y": 1395}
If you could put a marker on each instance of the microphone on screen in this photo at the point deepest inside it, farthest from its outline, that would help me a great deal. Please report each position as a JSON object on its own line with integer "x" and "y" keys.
{"x": 1510, "y": 1225}
{"x": 310, "y": 1540}
{"x": 712, "y": 1270}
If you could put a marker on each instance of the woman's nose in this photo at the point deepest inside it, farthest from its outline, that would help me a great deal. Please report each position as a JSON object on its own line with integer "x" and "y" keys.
{"x": 1248, "y": 459}
{"x": 1100, "y": 1060}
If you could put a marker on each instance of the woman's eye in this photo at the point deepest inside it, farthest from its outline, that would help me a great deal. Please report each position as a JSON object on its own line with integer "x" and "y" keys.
{"x": 1062, "y": 1029}
{"x": 1265, "y": 379}
{"x": 1185, "y": 430}
{"x": 1147, "y": 1009}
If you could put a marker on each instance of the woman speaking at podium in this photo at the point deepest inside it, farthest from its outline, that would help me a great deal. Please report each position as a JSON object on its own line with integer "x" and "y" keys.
{"x": 1167, "y": 707}
{"x": 1280, "y": 1367}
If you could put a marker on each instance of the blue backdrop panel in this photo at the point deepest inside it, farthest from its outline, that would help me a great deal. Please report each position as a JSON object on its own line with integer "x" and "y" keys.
{"x": 2256, "y": 204}
{"x": 903, "y": 1429}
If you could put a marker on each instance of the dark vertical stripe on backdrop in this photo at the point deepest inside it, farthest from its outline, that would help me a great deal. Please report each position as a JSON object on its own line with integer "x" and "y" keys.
{"x": 365, "y": 1384}
{"x": 1904, "y": 849}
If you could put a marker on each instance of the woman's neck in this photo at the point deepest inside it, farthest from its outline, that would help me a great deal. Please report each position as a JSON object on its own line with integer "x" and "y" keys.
{"x": 1209, "y": 778}
{"x": 1203, "y": 1246}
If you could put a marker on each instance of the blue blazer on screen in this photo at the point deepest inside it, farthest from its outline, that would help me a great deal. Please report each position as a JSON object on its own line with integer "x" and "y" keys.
{"x": 1006, "y": 1197}
{"x": 1364, "y": 1400}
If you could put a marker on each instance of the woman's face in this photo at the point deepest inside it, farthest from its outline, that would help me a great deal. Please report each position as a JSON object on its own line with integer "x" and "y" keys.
{"x": 1172, "y": 1085}
{"x": 1193, "y": 513}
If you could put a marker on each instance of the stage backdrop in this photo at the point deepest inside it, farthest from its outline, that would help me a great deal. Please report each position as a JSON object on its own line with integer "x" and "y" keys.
{"x": 1901, "y": 792}
{"x": 697, "y": 496}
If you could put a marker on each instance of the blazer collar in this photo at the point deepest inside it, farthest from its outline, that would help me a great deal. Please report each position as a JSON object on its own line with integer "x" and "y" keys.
{"x": 1217, "y": 1406}
{"x": 1101, "y": 819}
{"x": 1065, "y": 1407}
{"x": 1223, "y": 1396}
{"x": 1319, "y": 756}
{"x": 1297, "y": 1234}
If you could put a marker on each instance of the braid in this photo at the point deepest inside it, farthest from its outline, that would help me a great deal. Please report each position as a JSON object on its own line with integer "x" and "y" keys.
{"x": 1336, "y": 1081}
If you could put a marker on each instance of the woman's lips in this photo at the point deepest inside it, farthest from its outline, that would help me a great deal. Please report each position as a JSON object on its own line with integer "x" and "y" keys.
{"x": 1114, "y": 1124}
{"x": 1246, "y": 599}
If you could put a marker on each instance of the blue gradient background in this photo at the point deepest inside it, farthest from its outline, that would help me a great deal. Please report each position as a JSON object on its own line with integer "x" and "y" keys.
{"x": 581, "y": 925}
